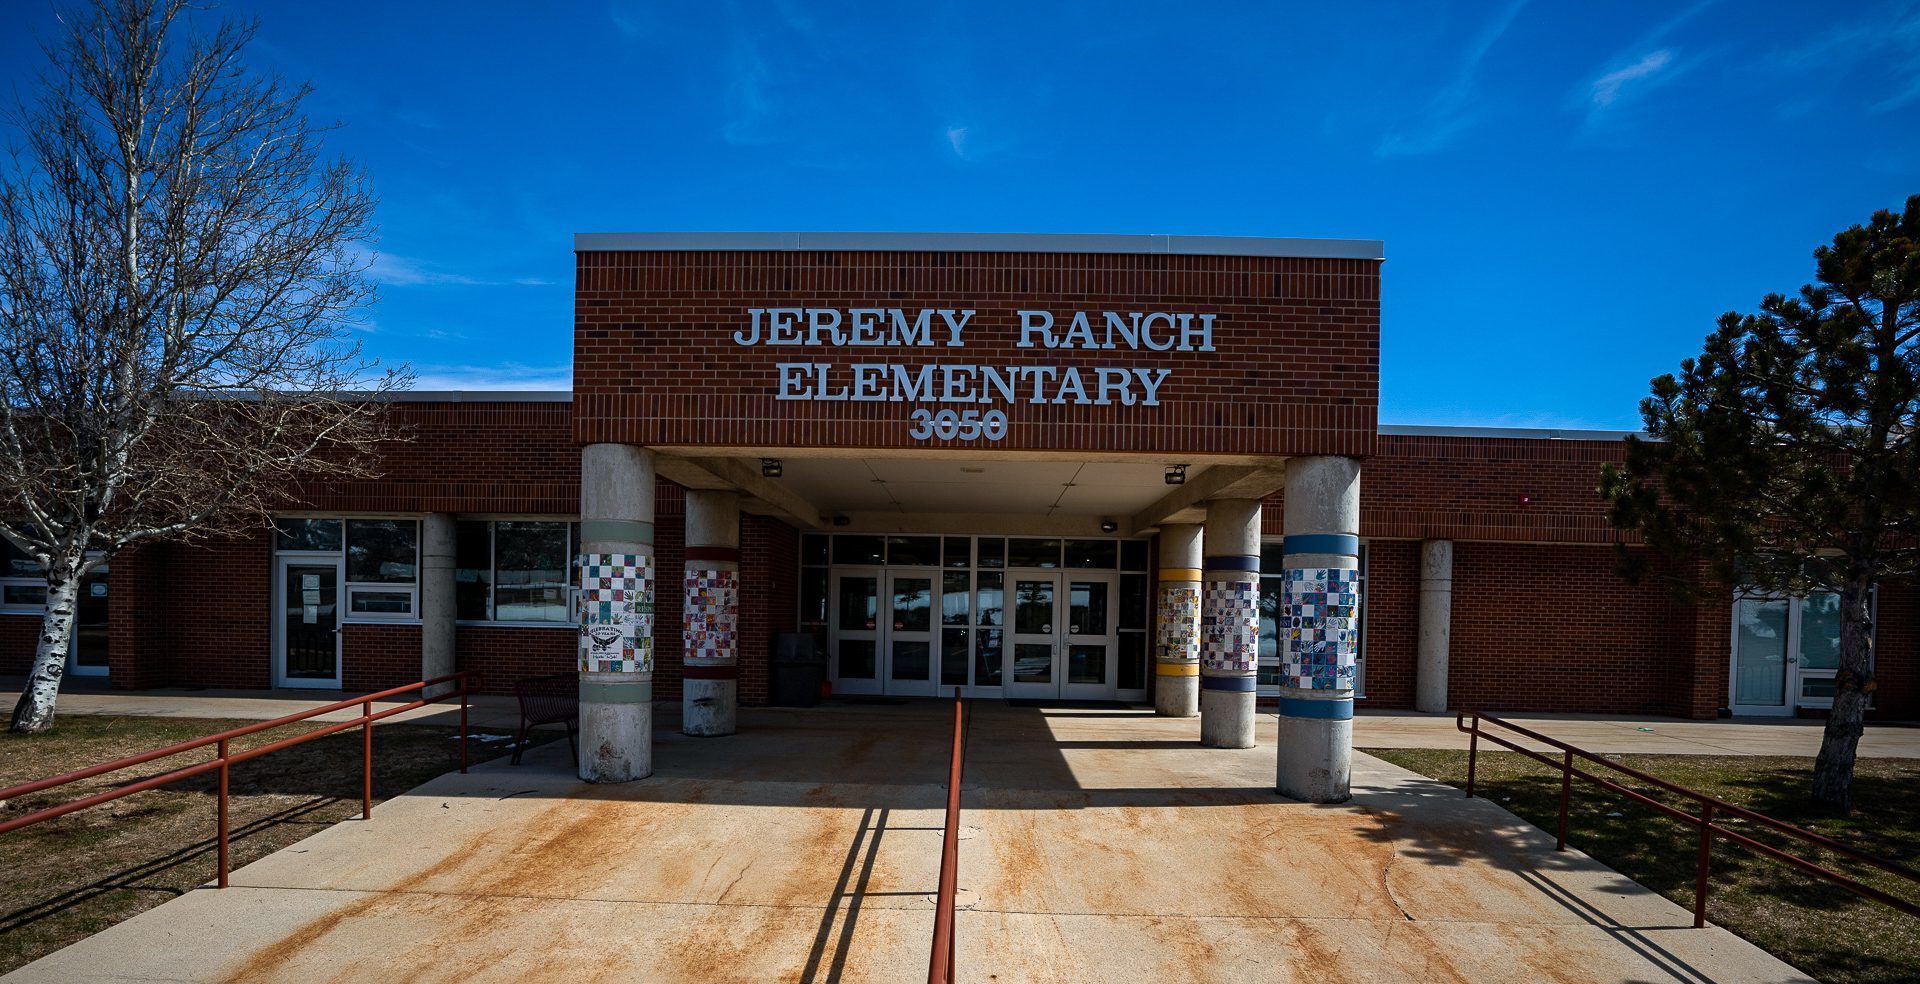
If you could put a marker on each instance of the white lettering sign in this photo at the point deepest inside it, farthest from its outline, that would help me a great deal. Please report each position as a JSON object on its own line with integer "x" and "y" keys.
{"x": 966, "y": 383}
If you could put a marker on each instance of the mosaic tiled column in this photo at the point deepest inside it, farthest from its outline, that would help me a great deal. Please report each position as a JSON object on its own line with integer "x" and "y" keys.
{"x": 710, "y": 618}
{"x": 1176, "y": 685}
{"x": 1229, "y": 623}
{"x": 1318, "y": 623}
{"x": 617, "y": 579}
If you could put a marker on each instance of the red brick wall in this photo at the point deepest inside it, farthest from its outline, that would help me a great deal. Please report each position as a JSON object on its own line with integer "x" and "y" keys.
{"x": 378, "y": 657}
{"x": 1392, "y": 622}
{"x": 1295, "y": 371}
{"x": 769, "y": 598}
{"x": 19, "y": 635}
{"x": 479, "y": 456}
{"x": 501, "y": 654}
{"x": 1897, "y": 653}
{"x": 1471, "y": 488}
{"x": 1552, "y": 628}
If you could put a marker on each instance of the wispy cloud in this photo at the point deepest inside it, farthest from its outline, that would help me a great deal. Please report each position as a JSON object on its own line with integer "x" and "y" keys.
{"x": 1451, "y": 111}
{"x": 1607, "y": 87}
{"x": 957, "y": 139}
{"x": 750, "y": 105}
{"x": 391, "y": 270}
{"x": 1642, "y": 66}
{"x": 1887, "y": 36}
{"x": 506, "y": 376}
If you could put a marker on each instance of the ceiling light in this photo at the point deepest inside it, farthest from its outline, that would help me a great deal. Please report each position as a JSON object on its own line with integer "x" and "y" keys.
{"x": 1109, "y": 526}
{"x": 1176, "y": 474}
{"x": 771, "y": 468}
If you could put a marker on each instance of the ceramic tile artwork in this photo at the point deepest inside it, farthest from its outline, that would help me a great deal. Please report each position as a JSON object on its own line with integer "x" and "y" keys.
{"x": 1230, "y": 625}
{"x": 616, "y": 613}
{"x": 1179, "y": 623}
{"x": 1318, "y": 626}
{"x": 710, "y": 619}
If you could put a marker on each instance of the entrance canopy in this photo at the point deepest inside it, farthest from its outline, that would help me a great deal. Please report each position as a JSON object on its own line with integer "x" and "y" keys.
{"x": 955, "y": 491}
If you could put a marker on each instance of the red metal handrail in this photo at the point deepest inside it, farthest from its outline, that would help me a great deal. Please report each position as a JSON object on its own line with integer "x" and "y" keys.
{"x": 224, "y": 759}
{"x": 1709, "y": 806}
{"x": 940, "y": 965}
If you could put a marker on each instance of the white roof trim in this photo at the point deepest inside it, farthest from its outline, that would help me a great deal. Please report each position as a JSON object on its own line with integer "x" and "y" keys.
{"x": 481, "y": 396}
{"x": 977, "y": 242}
{"x": 1510, "y": 433}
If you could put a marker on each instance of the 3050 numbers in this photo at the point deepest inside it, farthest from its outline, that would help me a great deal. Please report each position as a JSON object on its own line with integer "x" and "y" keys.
{"x": 960, "y": 425}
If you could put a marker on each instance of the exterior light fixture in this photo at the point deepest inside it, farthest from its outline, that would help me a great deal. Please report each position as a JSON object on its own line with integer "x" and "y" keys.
{"x": 1176, "y": 474}
{"x": 771, "y": 468}
{"x": 1109, "y": 526}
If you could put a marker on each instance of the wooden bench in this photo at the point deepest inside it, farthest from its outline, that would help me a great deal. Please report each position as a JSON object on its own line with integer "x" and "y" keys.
{"x": 548, "y": 700}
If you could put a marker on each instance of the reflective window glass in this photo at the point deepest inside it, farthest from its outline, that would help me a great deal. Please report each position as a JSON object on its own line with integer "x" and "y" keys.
{"x": 913, "y": 551}
{"x": 1032, "y": 553}
{"x": 1133, "y": 555}
{"x": 473, "y": 569}
{"x": 859, "y": 549}
{"x": 956, "y": 551}
{"x": 382, "y": 551}
{"x": 989, "y": 610}
{"x": 953, "y": 599}
{"x": 1102, "y": 555}
{"x": 813, "y": 549}
{"x": 530, "y": 571}
{"x": 993, "y": 551}
{"x": 306, "y": 534}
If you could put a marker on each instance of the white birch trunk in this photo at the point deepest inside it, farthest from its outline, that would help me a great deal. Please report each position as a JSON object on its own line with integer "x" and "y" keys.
{"x": 34, "y": 712}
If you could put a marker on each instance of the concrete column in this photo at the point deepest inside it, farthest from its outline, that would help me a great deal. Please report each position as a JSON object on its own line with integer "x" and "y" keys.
{"x": 1229, "y": 623}
{"x": 438, "y": 605}
{"x": 1319, "y": 628}
{"x": 710, "y": 619}
{"x": 1436, "y": 625}
{"x": 617, "y": 576}
{"x": 1176, "y": 685}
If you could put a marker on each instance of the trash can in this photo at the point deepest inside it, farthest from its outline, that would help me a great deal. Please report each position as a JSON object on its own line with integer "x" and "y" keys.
{"x": 797, "y": 670}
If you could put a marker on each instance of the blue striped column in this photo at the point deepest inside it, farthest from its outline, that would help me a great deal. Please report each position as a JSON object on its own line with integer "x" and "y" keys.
{"x": 1318, "y": 623}
{"x": 1229, "y": 623}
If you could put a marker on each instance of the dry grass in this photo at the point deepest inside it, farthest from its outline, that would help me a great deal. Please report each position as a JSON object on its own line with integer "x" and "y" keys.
{"x": 74, "y": 876}
{"x": 1821, "y": 929}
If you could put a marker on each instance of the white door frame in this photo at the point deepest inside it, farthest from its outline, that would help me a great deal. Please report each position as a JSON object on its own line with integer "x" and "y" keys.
{"x": 892, "y": 633}
{"x": 281, "y": 563}
{"x": 1013, "y": 640}
{"x": 1071, "y": 634}
{"x": 838, "y": 633}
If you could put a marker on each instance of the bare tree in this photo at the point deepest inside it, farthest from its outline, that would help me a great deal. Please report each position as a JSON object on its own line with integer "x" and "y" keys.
{"x": 179, "y": 270}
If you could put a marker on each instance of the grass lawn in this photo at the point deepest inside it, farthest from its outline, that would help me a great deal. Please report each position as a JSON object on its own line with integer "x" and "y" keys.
{"x": 1823, "y": 930}
{"x": 70, "y": 877}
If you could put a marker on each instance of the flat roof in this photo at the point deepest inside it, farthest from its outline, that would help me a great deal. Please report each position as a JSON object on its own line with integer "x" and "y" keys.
{"x": 977, "y": 242}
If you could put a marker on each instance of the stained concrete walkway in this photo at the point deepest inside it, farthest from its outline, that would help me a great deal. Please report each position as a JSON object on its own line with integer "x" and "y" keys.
{"x": 1371, "y": 729}
{"x": 1098, "y": 846}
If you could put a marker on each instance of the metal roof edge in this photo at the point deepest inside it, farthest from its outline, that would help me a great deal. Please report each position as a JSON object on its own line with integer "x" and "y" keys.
{"x": 979, "y": 242}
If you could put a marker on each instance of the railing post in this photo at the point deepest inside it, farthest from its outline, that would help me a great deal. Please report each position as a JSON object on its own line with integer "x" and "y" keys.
{"x": 221, "y": 834}
{"x": 366, "y": 760}
{"x": 463, "y": 725}
{"x": 1702, "y": 866}
{"x": 1473, "y": 753}
{"x": 1566, "y": 795}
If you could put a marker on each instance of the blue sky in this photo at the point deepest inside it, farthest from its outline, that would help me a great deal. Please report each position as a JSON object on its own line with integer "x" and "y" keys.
{"x": 1569, "y": 193}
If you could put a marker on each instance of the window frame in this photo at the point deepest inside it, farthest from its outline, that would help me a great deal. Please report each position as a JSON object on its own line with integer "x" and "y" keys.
{"x": 572, "y": 524}
{"x": 348, "y": 588}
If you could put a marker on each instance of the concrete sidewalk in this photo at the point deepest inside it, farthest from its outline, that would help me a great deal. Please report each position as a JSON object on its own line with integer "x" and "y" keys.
{"x": 1381, "y": 729}
{"x": 1097, "y": 846}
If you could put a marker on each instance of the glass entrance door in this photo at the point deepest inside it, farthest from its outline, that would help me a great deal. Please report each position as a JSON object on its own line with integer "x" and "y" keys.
{"x": 1033, "y": 649}
{"x": 855, "y": 617}
{"x": 307, "y": 633}
{"x": 912, "y": 639}
{"x": 87, "y": 656}
{"x": 1091, "y": 641}
{"x": 1786, "y": 652}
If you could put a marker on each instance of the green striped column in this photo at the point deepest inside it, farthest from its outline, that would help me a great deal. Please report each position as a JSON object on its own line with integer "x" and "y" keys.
{"x": 618, "y": 577}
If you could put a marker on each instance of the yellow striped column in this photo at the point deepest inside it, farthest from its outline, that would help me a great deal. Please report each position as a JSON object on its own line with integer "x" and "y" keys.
{"x": 1176, "y": 686}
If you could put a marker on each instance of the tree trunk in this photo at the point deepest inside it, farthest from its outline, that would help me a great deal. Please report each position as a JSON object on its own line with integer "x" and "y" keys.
{"x": 1833, "y": 769}
{"x": 34, "y": 712}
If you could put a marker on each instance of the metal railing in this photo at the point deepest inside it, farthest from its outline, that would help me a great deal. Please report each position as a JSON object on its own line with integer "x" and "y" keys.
{"x": 224, "y": 758}
{"x": 940, "y": 965}
{"x": 1709, "y": 807}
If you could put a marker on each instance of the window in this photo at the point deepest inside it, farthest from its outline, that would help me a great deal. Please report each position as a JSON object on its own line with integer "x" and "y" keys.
{"x": 23, "y": 583}
{"x": 1267, "y": 671}
{"x": 383, "y": 568}
{"x": 382, "y": 561}
{"x": 515, "y": 570}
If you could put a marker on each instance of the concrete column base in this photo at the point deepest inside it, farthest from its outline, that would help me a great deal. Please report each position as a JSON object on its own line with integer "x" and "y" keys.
{"x": 616, "y": 726}
{"x": 709, "y": 708}
{"x": 1226, "y": 718}
{"x": 1176, "y": 696}
{"x": 1316, "y": 760}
